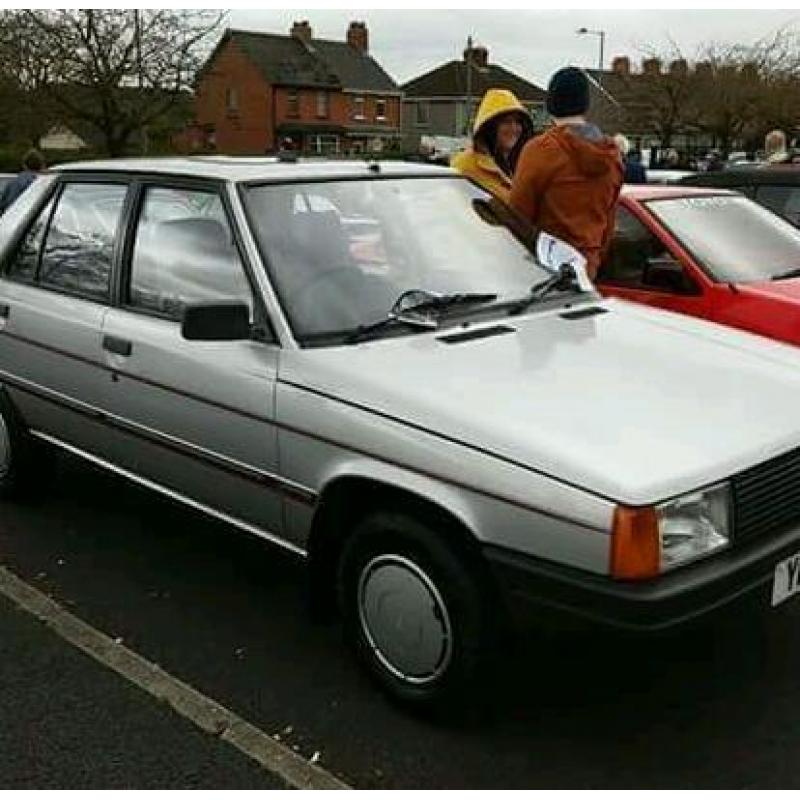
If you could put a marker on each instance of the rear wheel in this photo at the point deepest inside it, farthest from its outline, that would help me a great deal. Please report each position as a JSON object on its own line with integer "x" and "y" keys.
{"x": 416, "y": 609}
{"x": 22, "y": 461}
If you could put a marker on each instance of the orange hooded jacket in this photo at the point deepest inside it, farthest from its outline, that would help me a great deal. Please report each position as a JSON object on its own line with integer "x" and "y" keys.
{"x": 567, "y": 183}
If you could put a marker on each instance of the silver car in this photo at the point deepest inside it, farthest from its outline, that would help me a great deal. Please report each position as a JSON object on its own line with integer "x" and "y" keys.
{"x": 368, "y": 365}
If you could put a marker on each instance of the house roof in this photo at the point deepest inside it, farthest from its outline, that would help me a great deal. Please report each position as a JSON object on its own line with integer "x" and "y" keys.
{"x": 288, "y": 61}
{"x": 450, "y": 80}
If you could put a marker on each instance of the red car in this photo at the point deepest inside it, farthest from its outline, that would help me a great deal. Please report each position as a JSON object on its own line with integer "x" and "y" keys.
{"x": 709, "y": 253}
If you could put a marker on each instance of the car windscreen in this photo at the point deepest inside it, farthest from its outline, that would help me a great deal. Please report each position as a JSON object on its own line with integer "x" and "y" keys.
{"x": 734, "y": 239}
{"x": 341, "y": 252}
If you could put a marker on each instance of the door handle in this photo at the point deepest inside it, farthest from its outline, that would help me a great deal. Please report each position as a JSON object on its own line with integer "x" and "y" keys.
{"x": 5, "y": 310}
{"x": 115, "y": 345}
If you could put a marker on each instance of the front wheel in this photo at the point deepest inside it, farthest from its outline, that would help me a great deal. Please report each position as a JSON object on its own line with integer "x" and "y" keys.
{"x": 416, "y": 608}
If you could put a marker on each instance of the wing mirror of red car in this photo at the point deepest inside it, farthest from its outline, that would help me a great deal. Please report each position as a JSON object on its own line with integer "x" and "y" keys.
{"x": 667, "y": 274}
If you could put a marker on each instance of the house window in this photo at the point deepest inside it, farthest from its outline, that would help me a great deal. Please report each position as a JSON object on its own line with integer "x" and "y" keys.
{"x": 293, "y": 103}
{"x": 423, "y": 113}
{"x": 358, "y": 107}
{"x": 322, "y": 104}
{"x": 380, "y": 110}
{"x": 323, "y": 144}
{"x": 232, "y": 99}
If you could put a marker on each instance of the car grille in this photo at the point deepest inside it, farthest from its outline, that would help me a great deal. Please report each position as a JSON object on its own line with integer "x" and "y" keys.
{"x": 766, "y": 498}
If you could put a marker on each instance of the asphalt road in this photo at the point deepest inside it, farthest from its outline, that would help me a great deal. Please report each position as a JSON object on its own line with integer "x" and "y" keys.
{"x": 711, "y": 708}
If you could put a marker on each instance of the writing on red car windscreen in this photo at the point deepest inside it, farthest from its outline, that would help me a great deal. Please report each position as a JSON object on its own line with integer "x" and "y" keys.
{"x": 732, "y": 238}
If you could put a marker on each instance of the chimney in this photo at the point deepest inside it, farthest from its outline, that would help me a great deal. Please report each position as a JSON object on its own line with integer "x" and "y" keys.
{"x": 302, "y": 31}
{"x": 679, "y": 67}
{"x": 621, "y": 65}
{"x": 480, "y": 55}
{"x": 358, "y": 37}
{"x": 651, "y": 66}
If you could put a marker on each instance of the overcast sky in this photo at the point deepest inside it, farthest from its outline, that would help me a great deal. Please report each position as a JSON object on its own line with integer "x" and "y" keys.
{"x": 531, "y": 43}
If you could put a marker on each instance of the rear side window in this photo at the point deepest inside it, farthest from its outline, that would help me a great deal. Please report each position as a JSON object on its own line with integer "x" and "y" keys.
{"x": 184, "y": 253}
{"x": 26, "y": 260}
{"x": 70, "y": 247}
{"x": 783, "y": 200}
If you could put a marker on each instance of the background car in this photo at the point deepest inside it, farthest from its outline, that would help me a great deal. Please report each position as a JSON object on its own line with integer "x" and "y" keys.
{"x": 708, "y": 253}
{"x": 666, "y": 176}
{"x": 775, "y": 186}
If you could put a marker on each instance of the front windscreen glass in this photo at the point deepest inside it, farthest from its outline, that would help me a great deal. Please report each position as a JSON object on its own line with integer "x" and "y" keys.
{"x": 733, "y": 238}
{"x": 341, "y": 252}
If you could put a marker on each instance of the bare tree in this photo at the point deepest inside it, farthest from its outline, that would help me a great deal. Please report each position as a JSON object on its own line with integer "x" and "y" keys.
{"x": 113, "y": 71}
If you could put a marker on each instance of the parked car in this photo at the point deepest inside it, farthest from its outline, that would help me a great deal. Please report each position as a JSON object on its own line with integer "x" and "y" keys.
{"x": 708, "y": 253}
{"x": 775, "y": 186}
{"x": 666, "y": 176}
{"x": 449, "y": 430}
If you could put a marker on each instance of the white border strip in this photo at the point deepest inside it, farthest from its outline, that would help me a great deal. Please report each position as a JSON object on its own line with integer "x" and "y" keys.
{"x": 204, "y": 712}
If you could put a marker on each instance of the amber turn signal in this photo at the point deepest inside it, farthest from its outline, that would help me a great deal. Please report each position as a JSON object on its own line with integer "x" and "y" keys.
{"x": 635, "y": 544}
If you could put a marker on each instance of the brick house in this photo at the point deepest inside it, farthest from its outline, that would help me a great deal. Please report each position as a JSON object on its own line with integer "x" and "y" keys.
{"x": 442, "y": 102}
{"x": 329, "y": 97}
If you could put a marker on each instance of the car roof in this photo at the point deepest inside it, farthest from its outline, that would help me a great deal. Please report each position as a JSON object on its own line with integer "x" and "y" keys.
{"x": 257, "y": 168}
{"x": 658, "y": 191}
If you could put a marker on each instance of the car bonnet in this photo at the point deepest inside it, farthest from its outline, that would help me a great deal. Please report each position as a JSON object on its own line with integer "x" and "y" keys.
{"x": 634, "y": 404}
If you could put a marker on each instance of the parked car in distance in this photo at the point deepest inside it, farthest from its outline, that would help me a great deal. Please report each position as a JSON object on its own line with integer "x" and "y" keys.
{"x": 775, "y": 186}
{"x": 707, "y": 253}
{"x": 372, "y": 367}
{"x": 667, "y": 176}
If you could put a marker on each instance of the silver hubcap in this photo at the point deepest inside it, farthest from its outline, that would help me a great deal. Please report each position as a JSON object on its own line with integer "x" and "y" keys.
{"x": 404, "y": 619}
{"x": 5, "y": 448}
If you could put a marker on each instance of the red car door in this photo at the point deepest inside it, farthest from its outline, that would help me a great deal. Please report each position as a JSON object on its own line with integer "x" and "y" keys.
{"x": 645, "y": 265}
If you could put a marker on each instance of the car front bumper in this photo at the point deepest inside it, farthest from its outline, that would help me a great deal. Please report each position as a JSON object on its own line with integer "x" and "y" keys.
{"x": 530, "y": 586}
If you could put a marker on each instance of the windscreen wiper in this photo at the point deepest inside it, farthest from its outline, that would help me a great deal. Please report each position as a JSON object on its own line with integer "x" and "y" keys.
{"x": 792, "y": 273}
{"x": 561, "y": 281}
{"x": 410, "y": 309}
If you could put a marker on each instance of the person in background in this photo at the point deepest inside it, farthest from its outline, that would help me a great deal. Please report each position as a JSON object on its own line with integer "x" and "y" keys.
{"x": 502, "y": 127}
{"x": 775, "y": 148}
{"x": 568, "y": 179}
{"x": 32, "y": 164}
{"x": 714, "y": 162}
{"x": 634, "y": 171}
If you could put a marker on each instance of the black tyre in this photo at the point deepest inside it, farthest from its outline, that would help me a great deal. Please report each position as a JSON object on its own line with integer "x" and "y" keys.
{"x": 416, "y": 607}
{"x": 22, "y": 462}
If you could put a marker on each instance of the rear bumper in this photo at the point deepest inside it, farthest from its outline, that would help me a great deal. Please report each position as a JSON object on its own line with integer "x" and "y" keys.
{"x": 531, "y": 586}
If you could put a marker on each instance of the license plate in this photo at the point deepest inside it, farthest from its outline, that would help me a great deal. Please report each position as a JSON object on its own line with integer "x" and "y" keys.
{"x": 786, "y": 581}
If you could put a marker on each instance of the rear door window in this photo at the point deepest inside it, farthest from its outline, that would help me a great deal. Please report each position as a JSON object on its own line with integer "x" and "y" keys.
{"x": 79, "y": 244}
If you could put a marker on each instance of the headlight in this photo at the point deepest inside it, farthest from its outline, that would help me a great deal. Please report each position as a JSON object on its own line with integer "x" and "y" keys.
{"x": 694, "y": 525}
{"x": 649, "y": 540}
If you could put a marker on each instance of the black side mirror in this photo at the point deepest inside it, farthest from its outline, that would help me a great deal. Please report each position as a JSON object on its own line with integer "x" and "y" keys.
{"x": 217, "y": 321}
{"x": 665, "y": 273}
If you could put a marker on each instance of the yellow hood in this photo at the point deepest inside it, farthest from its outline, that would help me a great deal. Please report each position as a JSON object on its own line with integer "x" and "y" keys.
{"x": 494, "y": 103}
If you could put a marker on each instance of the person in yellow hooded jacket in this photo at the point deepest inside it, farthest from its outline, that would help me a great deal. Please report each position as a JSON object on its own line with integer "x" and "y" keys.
{"x": 502, "y": 127}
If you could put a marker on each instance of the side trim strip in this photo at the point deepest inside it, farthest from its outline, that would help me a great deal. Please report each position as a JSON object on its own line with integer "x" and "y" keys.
{"x": 289, "y": 489}
{"x": 229, "y": 465}
{"x": 171, "y": 493}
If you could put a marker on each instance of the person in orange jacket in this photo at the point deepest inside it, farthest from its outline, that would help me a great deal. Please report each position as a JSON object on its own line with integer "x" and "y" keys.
{"x": 568, "y": 179}
{"x": 502, "y": 127}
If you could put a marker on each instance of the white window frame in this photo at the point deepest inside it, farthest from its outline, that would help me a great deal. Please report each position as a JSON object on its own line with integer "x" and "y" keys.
{"x": 359, "y": 106}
